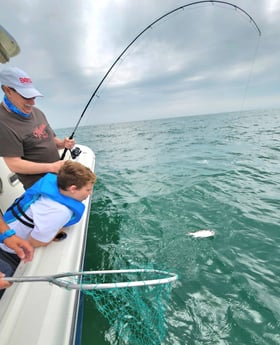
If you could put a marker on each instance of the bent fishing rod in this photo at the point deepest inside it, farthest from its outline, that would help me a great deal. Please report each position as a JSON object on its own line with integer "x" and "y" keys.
{"x": 140, "y": 34}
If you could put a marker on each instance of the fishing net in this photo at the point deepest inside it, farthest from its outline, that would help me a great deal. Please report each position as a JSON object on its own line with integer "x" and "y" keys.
{"x": 135, "y": 313}
{"x": 132, "y": 300}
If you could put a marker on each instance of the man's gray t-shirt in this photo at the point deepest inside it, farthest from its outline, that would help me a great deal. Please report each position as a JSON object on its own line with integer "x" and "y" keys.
{"x": 30, "y": 138}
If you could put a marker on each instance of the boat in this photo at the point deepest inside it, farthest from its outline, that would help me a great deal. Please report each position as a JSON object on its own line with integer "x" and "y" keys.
{"x": 41, "y": 313}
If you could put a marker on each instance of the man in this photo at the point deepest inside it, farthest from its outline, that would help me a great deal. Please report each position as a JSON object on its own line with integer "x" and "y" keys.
{"x": 53, "y": 202}
{"x": 22, "y": 248}
{"x": 28, "y": 144}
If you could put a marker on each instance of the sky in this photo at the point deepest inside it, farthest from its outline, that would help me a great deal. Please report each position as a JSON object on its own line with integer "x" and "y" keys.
{"x": 205, "y": 58}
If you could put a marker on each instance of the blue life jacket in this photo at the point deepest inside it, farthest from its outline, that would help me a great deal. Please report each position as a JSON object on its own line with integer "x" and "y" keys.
{"x": 46, "y": 186}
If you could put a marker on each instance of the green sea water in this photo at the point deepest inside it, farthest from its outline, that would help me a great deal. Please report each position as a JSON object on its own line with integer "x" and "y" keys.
{"x": 159, "y": 180}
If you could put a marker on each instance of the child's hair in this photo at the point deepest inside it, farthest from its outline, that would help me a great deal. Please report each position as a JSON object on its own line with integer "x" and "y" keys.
{"x": 74, "y": 173}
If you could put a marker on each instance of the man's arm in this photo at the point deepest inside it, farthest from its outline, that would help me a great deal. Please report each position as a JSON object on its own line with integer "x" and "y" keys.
{"x": 22, "y": 166}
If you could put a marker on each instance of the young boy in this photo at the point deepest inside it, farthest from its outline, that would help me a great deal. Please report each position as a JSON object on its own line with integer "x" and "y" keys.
{"x": 50, "y": 204}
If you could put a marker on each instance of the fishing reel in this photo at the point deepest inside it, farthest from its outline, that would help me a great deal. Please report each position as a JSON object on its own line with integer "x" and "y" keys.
{"x": 76, "y": 152}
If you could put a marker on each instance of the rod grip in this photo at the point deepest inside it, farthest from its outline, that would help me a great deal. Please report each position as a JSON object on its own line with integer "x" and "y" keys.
{"x": 65, "y": 150}
{"x": 63, "y": 154}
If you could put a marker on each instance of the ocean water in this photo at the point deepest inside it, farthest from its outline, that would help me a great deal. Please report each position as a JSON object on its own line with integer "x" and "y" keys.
{"x": 159, "y": 180}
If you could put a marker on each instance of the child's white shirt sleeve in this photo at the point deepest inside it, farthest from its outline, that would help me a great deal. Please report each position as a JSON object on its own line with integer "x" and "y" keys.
{"x": 49, "y": 217}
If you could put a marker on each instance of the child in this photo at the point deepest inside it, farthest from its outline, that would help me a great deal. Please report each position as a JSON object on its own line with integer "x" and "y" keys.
{"x": 50, "y": 204}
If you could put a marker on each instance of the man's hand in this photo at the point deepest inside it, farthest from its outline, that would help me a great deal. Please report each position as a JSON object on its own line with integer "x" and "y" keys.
{"x": 3, "y": 284}
{"x": 69, "y": 143}
{"x": 65, "y": 143}
{"x": 23, "y": 249}
{"x": 55, "y": 166}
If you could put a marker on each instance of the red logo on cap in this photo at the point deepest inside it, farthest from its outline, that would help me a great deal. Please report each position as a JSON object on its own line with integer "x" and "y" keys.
{"x": 25, "y": 80}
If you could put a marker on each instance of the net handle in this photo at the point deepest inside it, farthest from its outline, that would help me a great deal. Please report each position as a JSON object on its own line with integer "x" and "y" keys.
{"x": 55, "y": 279}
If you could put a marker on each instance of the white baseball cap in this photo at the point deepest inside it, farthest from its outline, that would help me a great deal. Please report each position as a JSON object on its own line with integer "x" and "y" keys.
{"x": 17, "y": 79}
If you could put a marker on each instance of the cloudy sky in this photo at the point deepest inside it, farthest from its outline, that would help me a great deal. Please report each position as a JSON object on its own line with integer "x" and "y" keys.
{"x": 207, "y": 58}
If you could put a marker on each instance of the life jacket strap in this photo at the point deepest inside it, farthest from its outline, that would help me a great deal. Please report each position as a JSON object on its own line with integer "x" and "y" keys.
{"x": 21, "y": 215}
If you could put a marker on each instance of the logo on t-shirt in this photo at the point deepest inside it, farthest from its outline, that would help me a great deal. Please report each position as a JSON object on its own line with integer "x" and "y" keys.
{"x": 41, "y": 132}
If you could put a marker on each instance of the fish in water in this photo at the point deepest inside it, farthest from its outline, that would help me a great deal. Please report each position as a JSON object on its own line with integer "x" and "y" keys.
{"x": 202, "y": 233}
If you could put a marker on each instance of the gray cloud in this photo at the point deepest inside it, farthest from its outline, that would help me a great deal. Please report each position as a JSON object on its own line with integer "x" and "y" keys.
{"x": 204, "y": 59}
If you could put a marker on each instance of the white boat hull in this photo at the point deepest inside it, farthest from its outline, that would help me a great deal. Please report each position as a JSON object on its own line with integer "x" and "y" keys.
{"x": 40, "y": 313}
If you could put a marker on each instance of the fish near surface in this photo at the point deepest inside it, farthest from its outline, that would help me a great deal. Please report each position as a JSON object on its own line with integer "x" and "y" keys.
{"x": 202, "y": 233}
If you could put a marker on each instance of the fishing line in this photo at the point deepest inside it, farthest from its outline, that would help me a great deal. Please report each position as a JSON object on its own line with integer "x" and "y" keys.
{"x": 237, "y": 8}
{"x": 250, "y": 74}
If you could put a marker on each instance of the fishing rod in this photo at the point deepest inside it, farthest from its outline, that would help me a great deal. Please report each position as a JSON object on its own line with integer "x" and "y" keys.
{"x": 140, "y": 34}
